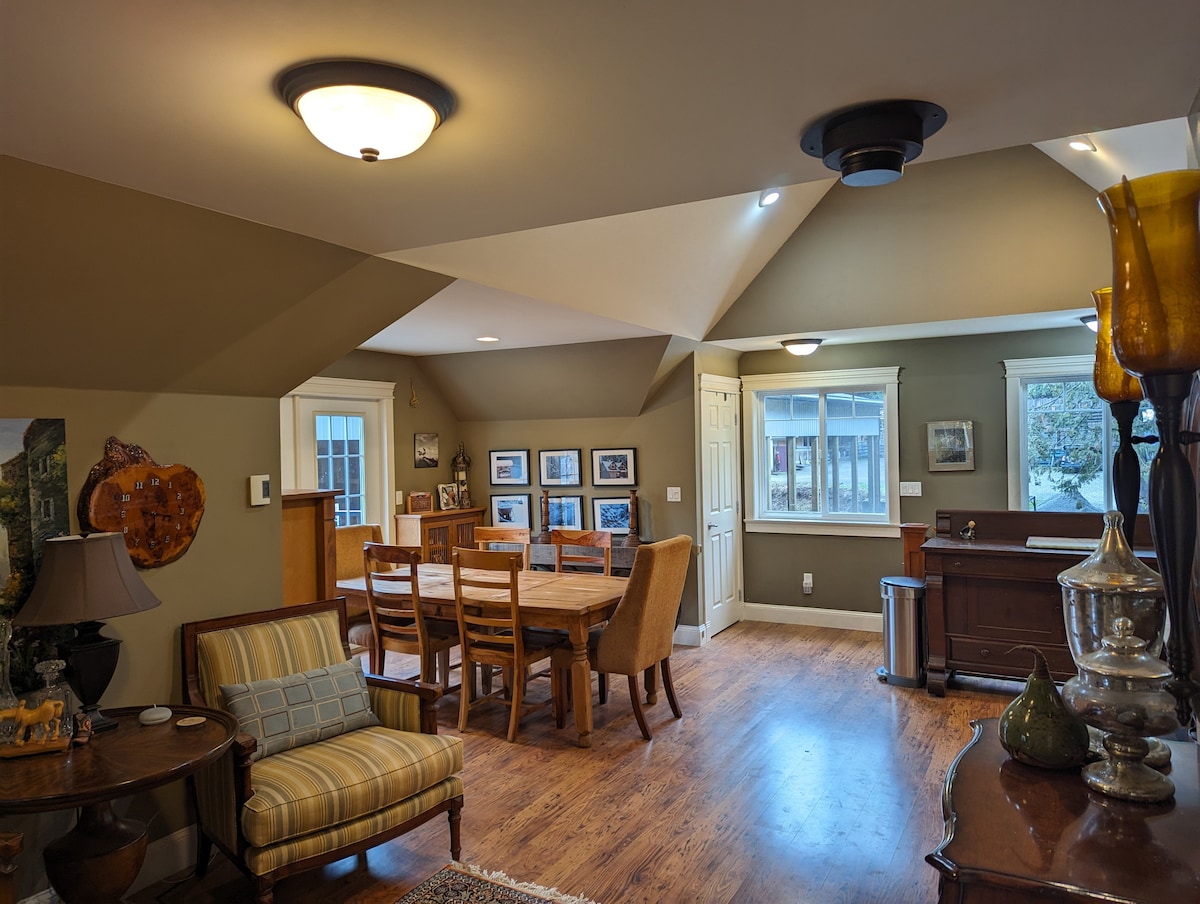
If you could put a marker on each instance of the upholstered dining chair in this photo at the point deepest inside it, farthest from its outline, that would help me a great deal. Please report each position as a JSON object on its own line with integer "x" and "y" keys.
{"x": 599, "y": 542}
{"x": 397, "y": 620}
{"x": 348, "y": 544}
{"x": 639, "y": 635}
{"x": 487, "y": 598}
{"x": 506, "y": 537}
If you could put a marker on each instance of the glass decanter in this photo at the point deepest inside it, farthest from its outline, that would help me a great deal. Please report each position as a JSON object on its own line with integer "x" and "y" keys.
{"x": 8, "y": 700}
{"x": 57, "y": 698}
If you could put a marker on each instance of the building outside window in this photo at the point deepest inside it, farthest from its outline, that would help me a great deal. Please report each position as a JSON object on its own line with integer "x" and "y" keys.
{"x": 821, "y": 451}
{"x": 1062, "y": 436}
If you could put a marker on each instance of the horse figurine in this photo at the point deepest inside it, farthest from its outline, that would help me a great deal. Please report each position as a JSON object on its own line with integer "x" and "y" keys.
{"x": 47, "y": 715}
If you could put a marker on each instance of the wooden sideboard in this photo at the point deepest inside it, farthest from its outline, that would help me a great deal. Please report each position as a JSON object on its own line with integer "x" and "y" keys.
{"x": 438, "y": 532}
{"x": 985, "y": 596}
{"x": 309, "y": 546}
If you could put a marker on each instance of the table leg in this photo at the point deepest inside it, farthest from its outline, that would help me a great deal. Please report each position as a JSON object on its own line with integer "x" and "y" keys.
{"x": 581, "y": 683}
{"x": 11, "y": 844}
{"x": 99, "y": 858}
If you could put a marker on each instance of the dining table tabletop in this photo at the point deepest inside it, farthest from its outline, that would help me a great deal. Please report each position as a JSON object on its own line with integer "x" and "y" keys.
{"x": 569, "y": 601}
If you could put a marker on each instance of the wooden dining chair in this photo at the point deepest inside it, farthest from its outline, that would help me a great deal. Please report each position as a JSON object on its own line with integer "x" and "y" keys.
{"x": 598, "y": 541}
{"x": 640, "y": 634}
{"x": 487, "y": 598}
{"x": 506, "y": 538}
{"x": 397, "y": 619}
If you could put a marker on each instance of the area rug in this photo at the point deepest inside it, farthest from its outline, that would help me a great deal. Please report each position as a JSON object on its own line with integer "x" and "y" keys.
{"x": 463, "y": 884}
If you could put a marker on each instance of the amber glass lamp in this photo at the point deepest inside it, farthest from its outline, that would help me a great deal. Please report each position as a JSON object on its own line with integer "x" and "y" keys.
{"x": 1154, "y": 223}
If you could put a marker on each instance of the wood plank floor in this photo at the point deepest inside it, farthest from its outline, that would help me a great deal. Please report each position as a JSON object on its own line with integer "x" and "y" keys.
{"x": 793, "y": 776}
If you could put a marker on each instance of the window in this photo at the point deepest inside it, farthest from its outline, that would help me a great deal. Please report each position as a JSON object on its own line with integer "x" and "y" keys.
{"x": 822, "y": 452}
{"x": 340, "y": 463}
{"x": 1061, "y": 437}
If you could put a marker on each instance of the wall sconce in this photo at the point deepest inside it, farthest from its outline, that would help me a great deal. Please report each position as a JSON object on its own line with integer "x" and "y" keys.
{"x": 374, "y": 111}
{"x": 800, "y": 347}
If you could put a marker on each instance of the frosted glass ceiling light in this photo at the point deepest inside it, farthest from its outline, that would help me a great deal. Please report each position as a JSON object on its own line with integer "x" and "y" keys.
{"x": 373, "y": 111}
{"x": 800, "y": 347}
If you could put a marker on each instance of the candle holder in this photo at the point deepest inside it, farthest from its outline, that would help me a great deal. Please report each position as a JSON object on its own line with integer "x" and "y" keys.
{"x": 633, "y": 538}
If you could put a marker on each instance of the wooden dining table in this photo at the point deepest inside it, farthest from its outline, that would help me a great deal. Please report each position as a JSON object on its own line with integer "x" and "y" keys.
{"x": 570, "y": 601}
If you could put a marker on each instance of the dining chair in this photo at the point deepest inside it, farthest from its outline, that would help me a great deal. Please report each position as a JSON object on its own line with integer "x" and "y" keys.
{"x": 487, "y": 599}
{"x": 599, "y": 541}
{"x": 506, "y": 537}
{"x": 397, "y": 619}
{"x": 640, "y": 633}
{"x": 348, "y": 544}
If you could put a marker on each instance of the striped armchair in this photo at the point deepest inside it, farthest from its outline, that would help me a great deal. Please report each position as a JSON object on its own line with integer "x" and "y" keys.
{"x": 310, "y": 805}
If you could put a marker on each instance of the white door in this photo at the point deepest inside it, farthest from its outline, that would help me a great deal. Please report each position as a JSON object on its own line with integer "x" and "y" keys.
{"x": 720, "y": 515}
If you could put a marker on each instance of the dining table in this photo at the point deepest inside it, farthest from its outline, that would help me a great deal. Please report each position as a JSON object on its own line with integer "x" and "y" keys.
{"x": 570, "y": 601}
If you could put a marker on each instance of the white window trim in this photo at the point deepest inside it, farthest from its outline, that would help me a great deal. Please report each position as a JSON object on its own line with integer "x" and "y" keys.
{"x": 756, "y": 478}
{"x": 381, "y": 395}
{"x": 1016, "y": 372}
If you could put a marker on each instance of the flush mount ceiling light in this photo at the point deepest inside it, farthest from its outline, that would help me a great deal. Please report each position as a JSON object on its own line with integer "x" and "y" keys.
{"x": 768, "y": 197}
{"x": 487, "y": 338}
{"x": 800, "y": 347}
{"x": 1081, "y": 143}
{"x": 374, "y": 111}
{"x": 1091, "y": 321}
{"x": 870, "y": 144}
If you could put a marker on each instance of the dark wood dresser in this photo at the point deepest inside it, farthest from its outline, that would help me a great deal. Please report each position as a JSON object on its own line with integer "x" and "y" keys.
{"x": 985, "y": 596}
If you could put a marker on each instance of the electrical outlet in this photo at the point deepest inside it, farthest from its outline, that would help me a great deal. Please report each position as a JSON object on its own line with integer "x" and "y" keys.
{"x": 674, "y": 494}
{"x": 910, "y": 488}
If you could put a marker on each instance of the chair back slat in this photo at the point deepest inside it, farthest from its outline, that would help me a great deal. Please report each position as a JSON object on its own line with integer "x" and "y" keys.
{"x": 398, "y": 620}
{"x": 514, "y": 539}
{"x": 599, "y": 542}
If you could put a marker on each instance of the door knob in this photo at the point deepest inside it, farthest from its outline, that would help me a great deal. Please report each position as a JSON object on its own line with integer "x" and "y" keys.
{"x": 711, "y": 525}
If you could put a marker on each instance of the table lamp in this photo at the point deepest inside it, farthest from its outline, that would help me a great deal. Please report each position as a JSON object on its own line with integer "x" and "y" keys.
{"x": 82, "y": 581}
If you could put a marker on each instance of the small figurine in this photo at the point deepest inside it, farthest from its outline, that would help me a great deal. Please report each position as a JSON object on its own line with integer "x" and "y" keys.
{"x": 83, "y": 729}
{"x": 968, "y": 532}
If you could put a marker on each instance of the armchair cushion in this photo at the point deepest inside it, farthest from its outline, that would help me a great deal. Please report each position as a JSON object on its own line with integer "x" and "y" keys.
{"x": 288, "y": 712}
{"x": 310, "y": 788}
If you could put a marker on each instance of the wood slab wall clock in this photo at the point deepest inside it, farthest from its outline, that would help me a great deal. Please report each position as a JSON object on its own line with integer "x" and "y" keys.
{"x": 157, "y": 507}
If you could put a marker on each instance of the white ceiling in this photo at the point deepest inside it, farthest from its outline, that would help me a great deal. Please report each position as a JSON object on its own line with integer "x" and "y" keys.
{"x": 599, "y": 178}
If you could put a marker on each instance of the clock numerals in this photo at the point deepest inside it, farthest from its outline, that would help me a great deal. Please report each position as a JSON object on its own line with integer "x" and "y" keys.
{"x": 139, "y": 485}
{"x": 122, "y": 514}
{"x": 154, "y": 481}
{"x": 124, "y": 498}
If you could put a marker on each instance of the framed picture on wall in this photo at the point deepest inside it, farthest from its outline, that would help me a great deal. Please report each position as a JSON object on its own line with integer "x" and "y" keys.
{"x": 611, "y": 515}
{"x": 951, "y": 446}
{"x": 560, "y": 468}
{"x": 511, "y": 510}
{"x": 566, "y": 512}
{"x": 425, "y": 450}
{"x": 614, "y": 468}
{"x": 509, "y": 467}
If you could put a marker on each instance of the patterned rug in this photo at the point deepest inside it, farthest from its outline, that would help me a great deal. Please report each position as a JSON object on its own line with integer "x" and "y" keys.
{"x": 463, "y": 884}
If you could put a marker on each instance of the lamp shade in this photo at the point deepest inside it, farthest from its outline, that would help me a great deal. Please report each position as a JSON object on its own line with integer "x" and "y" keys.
{"x": 1113, "y": 382}
{"x": 85, "y": 578}
{"x": 1155, "y": 228}
{"x": 374, "y": 111}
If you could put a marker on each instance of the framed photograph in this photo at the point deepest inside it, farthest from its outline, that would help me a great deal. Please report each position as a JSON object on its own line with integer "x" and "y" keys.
{"x": 419, "y": 502}
{"x": 425, "y": 450}
{"x": 560, "y": 468}
{"x": 614, "y": 468}
{"x": 611, "y": 514}
{"x": 509, "y": 467}
{"x": 447, "y": 496}
{"x": 511, "y": 511}
{"x": 951, "y": 446}
{"x": 565, "y": 512}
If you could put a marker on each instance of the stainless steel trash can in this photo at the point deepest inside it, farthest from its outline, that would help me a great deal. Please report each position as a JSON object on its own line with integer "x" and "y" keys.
{"x": 903, "y": 631}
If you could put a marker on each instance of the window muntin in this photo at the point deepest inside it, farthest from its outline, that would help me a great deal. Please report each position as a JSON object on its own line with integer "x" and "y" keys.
{"x": 340, "y": 454}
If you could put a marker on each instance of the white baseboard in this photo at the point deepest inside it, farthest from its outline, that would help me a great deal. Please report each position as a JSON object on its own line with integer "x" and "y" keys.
{"x": 691, "y": 635}
{"x": 819, "y": 618}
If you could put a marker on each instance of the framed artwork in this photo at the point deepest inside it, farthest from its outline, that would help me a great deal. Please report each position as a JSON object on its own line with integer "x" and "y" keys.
{"x": 611, "y": 515}
{"x": 511, "y": 510}
{"x": 560, "y": 468}
{"x": 509, "y": 467}
{"x": 614, "y": 468}
{"x": 565, "y": 512}
{"x": 447, "y": 496}
{"x": 425, "y": 450}
{"x": 951, "y": 446}
{"x": 419, "y": 502}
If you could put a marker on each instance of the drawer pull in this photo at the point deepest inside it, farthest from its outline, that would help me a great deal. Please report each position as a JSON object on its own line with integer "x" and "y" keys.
{"x": 958, "y": 564}
{"x": 985, "y": 652}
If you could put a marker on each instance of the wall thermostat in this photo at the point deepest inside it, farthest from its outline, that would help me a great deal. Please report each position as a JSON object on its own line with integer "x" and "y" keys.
{"x": 260, "y": 489}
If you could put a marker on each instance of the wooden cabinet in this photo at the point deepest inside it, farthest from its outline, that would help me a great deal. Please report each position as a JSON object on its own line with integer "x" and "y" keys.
{"x": 438, "y": 532}
{"x": 985, "y": 596}
{"x": 309, "y": 546}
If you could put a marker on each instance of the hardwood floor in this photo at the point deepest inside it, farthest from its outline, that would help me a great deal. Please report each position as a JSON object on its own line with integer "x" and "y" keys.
{"x": 793, "y": 776}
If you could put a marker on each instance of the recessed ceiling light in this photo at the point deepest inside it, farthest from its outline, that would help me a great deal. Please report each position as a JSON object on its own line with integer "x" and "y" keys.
{"x": 801, "y": 346}
{"x": 487, "y": 339}
{"x": 768, "y": 197}
{"x": 1091, "y": 321}
{"x": 1081, "y": 143}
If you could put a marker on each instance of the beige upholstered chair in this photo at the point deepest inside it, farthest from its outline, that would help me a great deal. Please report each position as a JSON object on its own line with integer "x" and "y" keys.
{"x": 397, "y": 619}
{"x": 490, "y": 630}
{"x": 348, "y": 552}
{"x": 639, "y": 635}
{"x": 304, "y": 805}
{"x": 598, "y": 541}
{"x": 506, "y": 537}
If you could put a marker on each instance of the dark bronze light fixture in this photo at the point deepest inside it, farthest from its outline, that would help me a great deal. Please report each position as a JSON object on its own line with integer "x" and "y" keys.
{"x": 870, "y": 144}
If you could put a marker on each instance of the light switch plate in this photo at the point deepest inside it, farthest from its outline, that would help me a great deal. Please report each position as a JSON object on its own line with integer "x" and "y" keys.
{"x": 910, "y": 488}
{"x": 674, "y": 494}
{"x": 260, "y": 489}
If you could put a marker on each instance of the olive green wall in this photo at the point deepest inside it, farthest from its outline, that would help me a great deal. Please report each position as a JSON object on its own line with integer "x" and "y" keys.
{"x": 233, "y": 565}
{"x": 940, "y": 379}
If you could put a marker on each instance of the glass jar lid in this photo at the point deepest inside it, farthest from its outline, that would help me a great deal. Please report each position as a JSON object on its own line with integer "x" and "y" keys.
{"x": 1122, "y": 655}
{"x": 1113, "y": 566}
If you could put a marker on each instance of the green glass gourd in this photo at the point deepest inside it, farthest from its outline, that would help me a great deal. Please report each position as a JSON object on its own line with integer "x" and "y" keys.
{"x": 1037, "y": 728}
